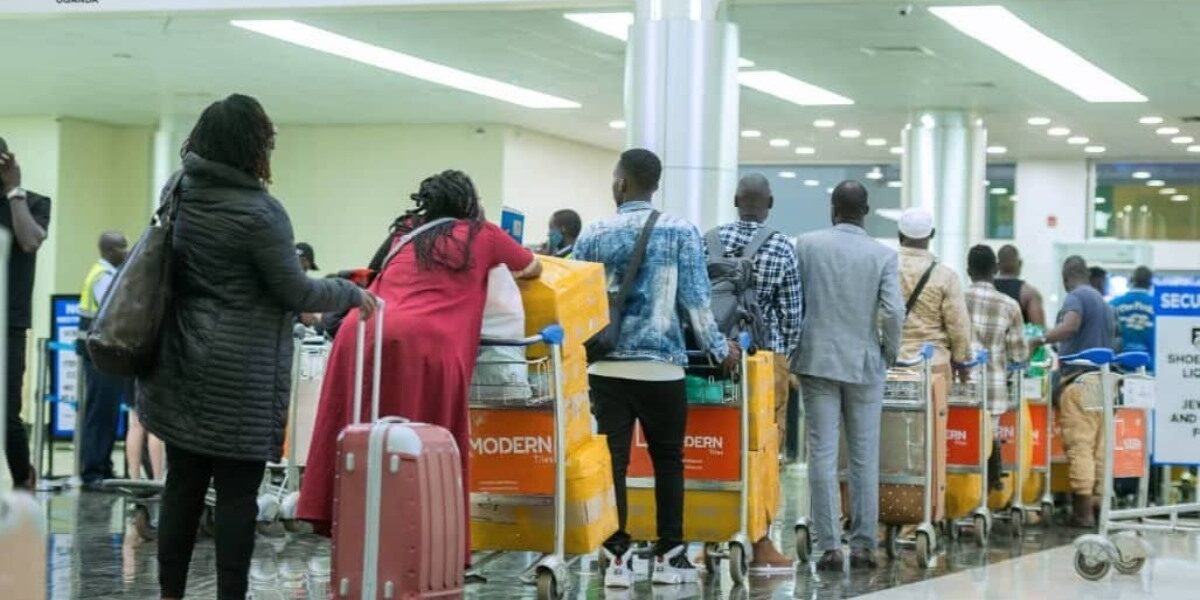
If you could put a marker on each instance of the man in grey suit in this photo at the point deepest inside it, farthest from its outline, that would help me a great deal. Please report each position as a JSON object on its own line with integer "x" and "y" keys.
{"x": 853, "y": 315}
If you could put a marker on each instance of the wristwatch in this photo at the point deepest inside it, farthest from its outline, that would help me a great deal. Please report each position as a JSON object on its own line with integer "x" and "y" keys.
{"x": 16, "y": 193}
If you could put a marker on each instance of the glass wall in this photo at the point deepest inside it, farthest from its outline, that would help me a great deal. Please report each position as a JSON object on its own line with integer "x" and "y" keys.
{"x": 1147, "y": 201}
{"x": 1000, "y": 197}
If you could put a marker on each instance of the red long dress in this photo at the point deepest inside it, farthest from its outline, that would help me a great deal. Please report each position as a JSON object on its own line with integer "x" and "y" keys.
{"x": 431, "y": 336}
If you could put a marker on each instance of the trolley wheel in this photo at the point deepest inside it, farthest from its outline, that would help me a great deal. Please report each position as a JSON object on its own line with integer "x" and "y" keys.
{"x": 141, "y": 524}
{"x": 208, "y": 524}
{"x": 1091, "y": 569}
{"x": 602, "y": 560}
{"x": 738, "y": 568}
{"x": 924, "y": 550}
{"x": 712, "y": 557}
{"x": 1017, "y": 522}
{"x": 1047, "y": 514}
{"x": 979, "y": 522}
{"x": 1129, "y": 567}
{"x": 297, "y": 526}
{"x": 803, "y": 544}
{"x": 890, "y": 543}
{"x": 547, "y": 585}
{"x": 954, "y": 530}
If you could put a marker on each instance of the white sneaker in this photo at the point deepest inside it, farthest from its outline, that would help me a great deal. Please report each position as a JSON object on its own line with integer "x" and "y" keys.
{"x": 674, "y": 568}
{"x": 619, "y": 573}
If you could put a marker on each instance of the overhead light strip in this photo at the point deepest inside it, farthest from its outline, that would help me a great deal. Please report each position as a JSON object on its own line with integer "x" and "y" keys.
{"x": 1007, "y": 34}
{"x": 616, "y": 25}
{"x": 328, "y": 42}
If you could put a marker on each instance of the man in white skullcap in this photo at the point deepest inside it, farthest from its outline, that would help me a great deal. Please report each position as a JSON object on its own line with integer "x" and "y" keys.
{"x": 934, "y": 301}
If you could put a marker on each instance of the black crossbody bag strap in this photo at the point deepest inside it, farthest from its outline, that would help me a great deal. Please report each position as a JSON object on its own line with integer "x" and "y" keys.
{"x": 916, "y": 293}
{"x": 635, "y": 264}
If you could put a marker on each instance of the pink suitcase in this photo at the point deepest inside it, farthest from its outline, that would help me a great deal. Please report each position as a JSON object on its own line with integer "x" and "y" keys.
{"x": 398, "y": 527}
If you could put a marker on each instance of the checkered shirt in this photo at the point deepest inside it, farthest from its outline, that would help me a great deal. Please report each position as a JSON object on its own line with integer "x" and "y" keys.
{"x": 776, "y": 280}
{"x": 998, "y": 327}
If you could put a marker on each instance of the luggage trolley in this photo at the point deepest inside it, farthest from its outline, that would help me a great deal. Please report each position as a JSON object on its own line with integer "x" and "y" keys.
{"x": 1035, "y": 391}
{"x": 1096, "y": 553}
{"x": 546, "y": 387}
{"x": 968, "y": 412}
{"x": 1013, "y": 508}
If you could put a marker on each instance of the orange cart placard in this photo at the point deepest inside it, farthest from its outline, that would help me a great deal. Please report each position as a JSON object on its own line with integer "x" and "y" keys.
{"x": 711, "y": 447}
{"x": 963, "y": 437}
{"x": 1058, "y": 453}
{"x": 1129, "y": 447}
{"x": 1041, "y": 435}
{"x": 512, "y": 451}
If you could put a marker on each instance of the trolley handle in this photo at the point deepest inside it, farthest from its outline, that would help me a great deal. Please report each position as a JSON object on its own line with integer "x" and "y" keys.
{"x": 980, "y": 358}
{"x": 1092, "y": 357}
{"x": 551, "y": 335}
{"x": 925, "y": 354}
{"x": 1133, "y": 361}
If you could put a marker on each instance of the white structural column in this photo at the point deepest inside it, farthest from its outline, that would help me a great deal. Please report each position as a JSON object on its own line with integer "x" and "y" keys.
{"x": 943, "y": 171}
{"x": 681, "y": 101}
{"x": 172, "y": 131}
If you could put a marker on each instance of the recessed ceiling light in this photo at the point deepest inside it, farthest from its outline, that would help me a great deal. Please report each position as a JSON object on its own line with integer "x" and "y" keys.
{"x": 308, "y": 36}
{"x": 896, "y": 150}
{"x": 824, "y": 123}
{"x": 787, "y": 174}
{"x": 998, "y": 191}
{"x": 1058, "y": 131}
{"x": 1156, "y": 183}
{"x": 1183, "y": 139}
{"x": 1167, "y": 191}
{"x": 987, "y": 182}
{"x": 751, "y": 133}
{"x": 1039, "y": 121}
{"x": 895, "y": 183}
{"x": 1077, "y": 140}
{"x": 1095, "y": 149}
{"x": 1006, "y": 33}
{"x": 805, "y": 150}
{"x": 850, "y": 133}
{"x": 1145, "y": 208}
{"x": 997, "y": 149}
{"x": 786, "y": 87}
{"x": 617, "y": 124}
{"x": 1012, "y": 198}
{"x": 780, "y": 142}
{"x": 1100, "y": 200}
{"x": 1167, "y": 130}
{"x": 828, "y": 190}
{"x": 745, "y": 63}
{"x": 1150, "y": 120}
{"x": 876, "y": 142}
{"x": 1193, "y": 148}
{"x": 875, "y": 174}
{"x": 1128, "y": 208}
{"x": 1180, "y": 198}
{"x": 1140, "y": 175}
{"x": 811, "y": 182}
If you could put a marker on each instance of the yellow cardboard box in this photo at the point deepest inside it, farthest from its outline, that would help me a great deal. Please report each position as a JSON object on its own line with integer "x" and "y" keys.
{"x": 575, "y": 372}
{"x": 569, "y": 293}
{"x": 761, "y": 379}
{"x": 527, "y": 522}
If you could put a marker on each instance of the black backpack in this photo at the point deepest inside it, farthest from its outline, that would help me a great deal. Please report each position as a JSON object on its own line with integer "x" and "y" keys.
{"x": 734, "y": 299}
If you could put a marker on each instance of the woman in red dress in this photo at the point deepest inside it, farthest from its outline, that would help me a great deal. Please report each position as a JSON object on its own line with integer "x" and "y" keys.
{"x": 434, "y": 289}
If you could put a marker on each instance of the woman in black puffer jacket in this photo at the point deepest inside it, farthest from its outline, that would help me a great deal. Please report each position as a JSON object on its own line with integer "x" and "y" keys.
{"x": 220, "y": 392}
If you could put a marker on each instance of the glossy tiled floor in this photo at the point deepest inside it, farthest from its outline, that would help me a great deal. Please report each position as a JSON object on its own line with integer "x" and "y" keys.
{"x": 94, "y": 554}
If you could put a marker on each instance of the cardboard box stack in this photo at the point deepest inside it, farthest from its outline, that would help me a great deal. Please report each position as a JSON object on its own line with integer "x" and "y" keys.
{"x": 512, "y": 447}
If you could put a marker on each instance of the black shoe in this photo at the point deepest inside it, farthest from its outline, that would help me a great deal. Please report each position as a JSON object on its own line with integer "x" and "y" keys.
{"x": 861, "y": 558}
{"x": 832, "y": 561}
{"x": 96, "y": 485}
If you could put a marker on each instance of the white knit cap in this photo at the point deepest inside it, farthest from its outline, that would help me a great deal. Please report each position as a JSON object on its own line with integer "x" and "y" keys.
{"x": 916, "y": 223}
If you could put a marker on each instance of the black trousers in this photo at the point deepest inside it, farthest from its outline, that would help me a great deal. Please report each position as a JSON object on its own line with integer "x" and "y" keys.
{"x": 104, "y": 394}
{"x": 661, "y": 408}
{"x": 16, "y": 440}
{"x": 236, "y": 483}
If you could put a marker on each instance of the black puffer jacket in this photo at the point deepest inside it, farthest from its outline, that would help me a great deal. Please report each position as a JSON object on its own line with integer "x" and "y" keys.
{"x": 221, "y": 387}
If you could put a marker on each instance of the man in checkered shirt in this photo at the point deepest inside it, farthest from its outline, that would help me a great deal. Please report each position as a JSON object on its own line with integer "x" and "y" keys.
{"x": 777, "y": 283}
{"x": 998, "y": 326}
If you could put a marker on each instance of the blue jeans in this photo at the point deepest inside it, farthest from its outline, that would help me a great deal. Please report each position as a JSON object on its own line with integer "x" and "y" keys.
{"x": 102, "y": 406}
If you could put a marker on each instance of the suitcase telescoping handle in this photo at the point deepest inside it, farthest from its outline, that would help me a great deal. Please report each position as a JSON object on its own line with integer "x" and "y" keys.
{"x": 376, "y": 364}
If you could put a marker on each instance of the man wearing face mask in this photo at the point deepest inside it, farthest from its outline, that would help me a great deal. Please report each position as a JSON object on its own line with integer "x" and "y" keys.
{"x": 565, "y": 226}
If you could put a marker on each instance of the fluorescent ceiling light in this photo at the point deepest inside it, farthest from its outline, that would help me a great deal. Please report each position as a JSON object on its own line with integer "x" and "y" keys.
{"x": 850, "y": 133}
{"x": 745, "y": 63}
{"x": 1140, "y": 175}
{"x": 876, "y": 142}
{"x": 1039, "y": 121}
{"x": 895, "y": 183}
{"x": 1077, "y": 140}
{"x": 811, "y": 182}
{"x": 617, "y": 124}
{"x": 616, "y": 25}
{"x": 1058, "y": 131}
{"x": 1007, "y": 34}
{"x": 824, "y": 123}
{"x": 308, "y": 36}
{"x": 786, "y": 87}
{"x": 999, "y": 191}
{"x": 997, "y": 149}
{"x": 1156, "y": 183}
{"x": 896, "y": 150}
{"x": 805, "y": 150}
{"x": 1180, "y": 198}
{"x": 1100, "y": 200}
{"x": 1095, "y": 149}
{"x": 1167, "y": 130}
{"x": 751, "y": 133}
{"x": 1193, "y": 148}
{"x": 780, "y": 143}
{"x": 875, "y": 174}
{"x": 787, "y": 174}
{"x": 829, "y": 190}
{"x": 891, "y": 214}
{"x": 1150, "y": 120}
{"x": 1183, "y": 139}
{"x": 1167, "y": 191}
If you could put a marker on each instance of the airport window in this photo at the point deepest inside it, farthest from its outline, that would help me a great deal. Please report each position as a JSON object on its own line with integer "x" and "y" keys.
{"x": 1000, "y": 197}
{"x": 802, "y": 195}
{"x": 1147, "y": 201}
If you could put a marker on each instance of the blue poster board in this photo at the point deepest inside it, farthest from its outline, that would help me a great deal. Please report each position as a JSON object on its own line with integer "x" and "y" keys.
{"x": 1177, "y": 374}
{"x": 512, "y": 221}
{"x": 64, "y": 365}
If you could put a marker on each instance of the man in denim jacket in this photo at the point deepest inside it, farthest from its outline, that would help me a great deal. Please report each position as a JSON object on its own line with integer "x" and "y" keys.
{"x": 641, "y": 380}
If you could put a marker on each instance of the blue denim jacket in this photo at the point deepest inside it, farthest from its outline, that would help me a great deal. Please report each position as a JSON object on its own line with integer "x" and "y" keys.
{"x": 672, "y": 282}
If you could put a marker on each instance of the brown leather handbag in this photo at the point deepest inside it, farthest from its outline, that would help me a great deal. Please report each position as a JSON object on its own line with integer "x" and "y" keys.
{"x": 123, "y": 339}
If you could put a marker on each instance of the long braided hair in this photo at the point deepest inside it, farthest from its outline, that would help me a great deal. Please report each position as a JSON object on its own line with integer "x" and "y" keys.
{"x": 451, "y": 194}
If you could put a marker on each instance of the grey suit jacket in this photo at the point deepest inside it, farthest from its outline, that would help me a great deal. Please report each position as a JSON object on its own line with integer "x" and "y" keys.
{"x": 853, "y": 312}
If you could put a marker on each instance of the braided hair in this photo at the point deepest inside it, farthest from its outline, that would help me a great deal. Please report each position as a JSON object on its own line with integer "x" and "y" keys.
{"x": 450, "y": 194}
